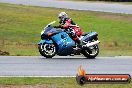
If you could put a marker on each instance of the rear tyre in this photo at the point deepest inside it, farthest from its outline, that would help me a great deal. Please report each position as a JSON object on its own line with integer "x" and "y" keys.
{"x": 91, "y": 52}
{"x": 47, "y": 50}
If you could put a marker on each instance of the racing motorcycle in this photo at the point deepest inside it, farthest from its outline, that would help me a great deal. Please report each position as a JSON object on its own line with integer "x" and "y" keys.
{"x": 55, "y": 41}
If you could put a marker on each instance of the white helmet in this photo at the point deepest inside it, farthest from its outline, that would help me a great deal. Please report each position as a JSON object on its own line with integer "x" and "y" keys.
{"x": 62, "y": 16}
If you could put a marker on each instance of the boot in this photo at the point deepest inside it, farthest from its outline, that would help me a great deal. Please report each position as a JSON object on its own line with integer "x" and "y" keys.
{"x": 79, "y": 43}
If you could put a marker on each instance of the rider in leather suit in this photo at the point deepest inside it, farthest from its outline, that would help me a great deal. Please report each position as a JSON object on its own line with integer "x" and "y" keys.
{"x": 68, "y": 24}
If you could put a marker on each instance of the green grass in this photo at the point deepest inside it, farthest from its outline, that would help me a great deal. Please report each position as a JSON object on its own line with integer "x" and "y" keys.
{"x": 20, "y": 28}
{"x": 53, "y": 83}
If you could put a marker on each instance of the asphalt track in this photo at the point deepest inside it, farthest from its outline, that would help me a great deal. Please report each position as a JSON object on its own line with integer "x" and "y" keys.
{"x": 63, "y": 66}
{"x": 92, "y": 6}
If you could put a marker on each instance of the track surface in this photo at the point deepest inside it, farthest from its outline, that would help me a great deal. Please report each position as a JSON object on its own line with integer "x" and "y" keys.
{"x": 62, "y": 66}
{"x": 92, "y": 6}
{"x": 66, "y": 66}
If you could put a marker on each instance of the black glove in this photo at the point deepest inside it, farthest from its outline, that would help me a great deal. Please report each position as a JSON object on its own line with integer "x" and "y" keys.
{"x": 55, "y": 26}
{"x": 59, "y": 26}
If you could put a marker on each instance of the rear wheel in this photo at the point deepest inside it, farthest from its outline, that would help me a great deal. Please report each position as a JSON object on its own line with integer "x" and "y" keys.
{"x": 47, "y": 50}
{"x": 91, "y": 52}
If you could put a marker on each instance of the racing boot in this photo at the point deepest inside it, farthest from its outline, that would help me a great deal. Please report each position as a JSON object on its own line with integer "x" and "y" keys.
{"x": 79, "y": 43}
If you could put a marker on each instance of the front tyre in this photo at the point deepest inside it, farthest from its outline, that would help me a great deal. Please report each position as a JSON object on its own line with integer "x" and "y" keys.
{"x": 47, "y": 50}
{"x": 91, "y": 52}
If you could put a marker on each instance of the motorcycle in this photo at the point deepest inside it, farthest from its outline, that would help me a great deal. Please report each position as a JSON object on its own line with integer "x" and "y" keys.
{"x": 55, "y": 41}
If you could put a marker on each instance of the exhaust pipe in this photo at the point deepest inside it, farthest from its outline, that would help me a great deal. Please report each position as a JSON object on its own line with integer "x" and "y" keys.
{"x": 92, "y": 43}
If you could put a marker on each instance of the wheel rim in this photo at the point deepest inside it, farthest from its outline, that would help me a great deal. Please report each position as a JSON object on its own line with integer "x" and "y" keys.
{"x": 48, "y": 49}
{"x": 93, "y": 50}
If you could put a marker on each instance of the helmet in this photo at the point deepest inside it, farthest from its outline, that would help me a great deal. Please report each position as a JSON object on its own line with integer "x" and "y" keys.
{"x": 62, "y": 16}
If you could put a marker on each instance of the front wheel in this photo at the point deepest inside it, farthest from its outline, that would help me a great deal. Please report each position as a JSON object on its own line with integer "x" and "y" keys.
{"x": 47, "y": 50}
{"x": 91, "y": 52}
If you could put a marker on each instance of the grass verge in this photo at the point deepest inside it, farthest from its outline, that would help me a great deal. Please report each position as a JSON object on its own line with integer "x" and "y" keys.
{"x": 30, "y": 82}
{"x": 20, "y": 28}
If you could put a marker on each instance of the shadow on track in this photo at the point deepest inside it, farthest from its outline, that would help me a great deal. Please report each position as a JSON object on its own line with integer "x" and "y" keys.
{"x": 68, "y": 57}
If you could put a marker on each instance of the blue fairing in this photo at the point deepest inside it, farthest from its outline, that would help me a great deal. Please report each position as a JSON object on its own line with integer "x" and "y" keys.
{"x": 45, "y": 41}
{"x": 63, "y": 41}
{"x": 60, "y": 38}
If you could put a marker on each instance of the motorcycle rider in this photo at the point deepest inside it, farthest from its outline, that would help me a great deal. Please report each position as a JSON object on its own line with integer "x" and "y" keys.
{"x": 68, "y": 24}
